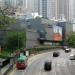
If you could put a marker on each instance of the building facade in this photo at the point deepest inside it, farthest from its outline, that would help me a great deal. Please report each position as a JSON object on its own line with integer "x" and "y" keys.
{"x": 31, "y": 38}
{"x": 2, "y": 3}
{"x": 56, "y": 9}
{"x": 65, "y": 9}
{"x": 11, "y": 3}
{"x": 43, "y": 8}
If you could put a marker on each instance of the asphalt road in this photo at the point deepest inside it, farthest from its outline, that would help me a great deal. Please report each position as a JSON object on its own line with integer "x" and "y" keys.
{"x": 60, "y": 65}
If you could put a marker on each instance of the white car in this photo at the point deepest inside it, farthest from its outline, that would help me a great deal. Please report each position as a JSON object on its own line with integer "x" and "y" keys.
{"x": 67, "y": 50}
{"x": 72, "y": 57}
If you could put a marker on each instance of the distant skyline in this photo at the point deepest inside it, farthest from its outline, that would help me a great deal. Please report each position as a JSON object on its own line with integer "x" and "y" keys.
{"x": 47, "y": 8}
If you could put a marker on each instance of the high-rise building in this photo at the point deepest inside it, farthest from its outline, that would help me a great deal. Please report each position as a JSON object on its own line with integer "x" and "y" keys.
{"x": 73, "y": 8}
{"x": 30, "y": 5}
{"x": 51, "y": 9}
{"x": 47, "y": 8}
{"x": 57, "y": 9}
{"x": 36, "y": 5}
{"x": 11, "y": 3}
{"x": 2, "y": 3}
{"x": 65, "y": 9}
{"x": 42, "y": 8}
{"x": 16, "y": 3}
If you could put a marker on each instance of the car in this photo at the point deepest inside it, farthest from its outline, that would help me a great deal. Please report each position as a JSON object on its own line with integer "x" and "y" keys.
{"x": 72, "y": 57}
{"x": 48, "y": 65}
{"x": 64, "y": 47}
{"x": 67, "y": 50}
{"x": 55, "y": 54}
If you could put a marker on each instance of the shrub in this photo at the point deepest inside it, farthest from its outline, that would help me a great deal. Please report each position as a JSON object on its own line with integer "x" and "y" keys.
{"x": 15, "y": 40}
{"x": 71, "y": 40}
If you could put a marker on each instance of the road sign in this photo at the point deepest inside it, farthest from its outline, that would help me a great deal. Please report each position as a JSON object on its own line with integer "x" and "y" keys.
{"x": 27, "y": 53}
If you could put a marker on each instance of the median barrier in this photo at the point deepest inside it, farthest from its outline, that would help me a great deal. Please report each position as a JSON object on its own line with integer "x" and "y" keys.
{"x": 8, "y": 70}
{"x": 38, "y": 50}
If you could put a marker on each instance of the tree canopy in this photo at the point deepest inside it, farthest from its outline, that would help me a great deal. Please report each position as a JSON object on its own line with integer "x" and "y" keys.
{"x": 5, "y": 21}
{"x": 15, "y": 40}
{"x": 71, "y": 40}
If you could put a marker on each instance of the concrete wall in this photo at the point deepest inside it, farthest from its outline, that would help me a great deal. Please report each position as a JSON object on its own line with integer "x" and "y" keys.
{"x": 31, "y": 38}
{"x": 49, "y": 35}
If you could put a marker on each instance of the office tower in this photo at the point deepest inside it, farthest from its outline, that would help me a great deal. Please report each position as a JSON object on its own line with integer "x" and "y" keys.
{"x": 11, "y": 3}
{"x": 42, "y": 8}
{"x": 51, "y": 9}
{"x": 57, "y": 9}
{"x": 36, "y": 6}
{"x": 64, "y": 9}
{"x": 47, "y": 8}
{"x": 30, "y": 5}
{"x": 16, "y": 3}
{"x": 2, "y": 3}
{"x": 73, "y": 8}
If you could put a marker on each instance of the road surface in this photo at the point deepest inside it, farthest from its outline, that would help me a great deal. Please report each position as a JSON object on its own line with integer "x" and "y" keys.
{"x": 60, "y": 65}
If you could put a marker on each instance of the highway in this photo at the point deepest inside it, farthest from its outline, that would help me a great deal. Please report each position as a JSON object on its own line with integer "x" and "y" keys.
{"x": 60, "y": 65}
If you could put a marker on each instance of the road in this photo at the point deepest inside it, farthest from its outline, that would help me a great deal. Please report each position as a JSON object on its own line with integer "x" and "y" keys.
{"x": 60, "y": 65}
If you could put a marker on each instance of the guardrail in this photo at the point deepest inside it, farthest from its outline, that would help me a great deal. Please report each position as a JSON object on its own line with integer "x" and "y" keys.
{"x": 9, "y": 67}
{"x": 8, "y": 70}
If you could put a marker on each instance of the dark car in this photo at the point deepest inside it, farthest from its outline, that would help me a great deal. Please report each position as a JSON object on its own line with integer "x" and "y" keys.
{"x": 67, "y": 50}
{"x": 48, "y": 65}
{"x": 55, "y": 54}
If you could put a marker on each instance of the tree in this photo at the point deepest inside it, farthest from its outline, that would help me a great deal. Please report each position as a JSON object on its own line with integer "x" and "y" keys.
{"x": 71, "y": 40}
{"x": 5, "y": 21}
{"x": 15, "y": 40}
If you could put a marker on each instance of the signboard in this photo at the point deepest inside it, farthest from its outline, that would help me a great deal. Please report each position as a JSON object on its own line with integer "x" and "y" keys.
{"x": 63, "y": 25}
{"x": 57, "y": 30}
{"x": 27, "y": 53}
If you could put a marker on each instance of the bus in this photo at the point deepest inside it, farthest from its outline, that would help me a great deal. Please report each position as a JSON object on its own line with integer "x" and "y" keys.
{"x": 21, "y": 63}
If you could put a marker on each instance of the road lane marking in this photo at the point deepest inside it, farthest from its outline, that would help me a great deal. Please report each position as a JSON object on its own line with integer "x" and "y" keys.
{"x": 65, "y": 69}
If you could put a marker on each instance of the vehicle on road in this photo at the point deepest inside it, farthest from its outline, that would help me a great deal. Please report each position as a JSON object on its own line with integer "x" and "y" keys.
{"x": 67, "y": 50}
{"x": 55, "y": 54}
{"x": 72, "y": 57}
{"x": 48, "y": 65}
{"x": 64, "y": 47}
{"x": 21, "y": 62}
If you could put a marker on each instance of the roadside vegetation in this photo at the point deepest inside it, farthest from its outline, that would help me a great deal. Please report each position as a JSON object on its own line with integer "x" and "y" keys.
{"x": 43, "y": 48}
{"x": 5, "y": 21}
{"x": 14, "y": 40}
{"x": 71, "y": 40}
